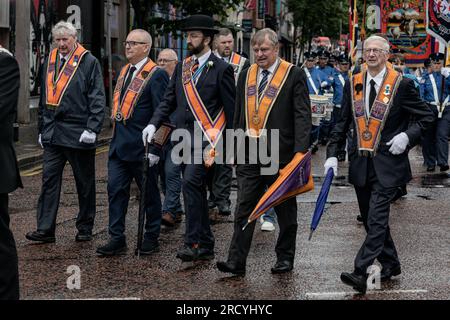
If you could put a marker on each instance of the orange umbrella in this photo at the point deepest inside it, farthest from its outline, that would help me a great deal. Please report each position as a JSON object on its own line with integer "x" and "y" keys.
{"x": 295, "y": 178}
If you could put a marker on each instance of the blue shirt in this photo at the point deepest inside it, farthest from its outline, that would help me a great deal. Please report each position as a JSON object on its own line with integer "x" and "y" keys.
{"x": 426, "y": 88}
{"x": 338, "y": 87}
{"x": 318, "y": 77}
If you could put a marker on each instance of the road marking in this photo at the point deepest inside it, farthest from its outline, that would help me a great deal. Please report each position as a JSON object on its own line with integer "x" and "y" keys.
{"x": 113, "y": 298}
{"x": 337, "y": 294}
{"x": 31, "y": 172}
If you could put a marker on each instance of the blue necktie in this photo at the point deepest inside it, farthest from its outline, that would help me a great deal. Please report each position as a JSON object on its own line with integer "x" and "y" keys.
{"x": 263, "y": 83}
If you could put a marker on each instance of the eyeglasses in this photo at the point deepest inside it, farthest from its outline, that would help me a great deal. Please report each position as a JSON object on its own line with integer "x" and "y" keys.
{"x": 164, "y": 61}
{"x": 132, "y": 43}
{"x": 375, "y": 51}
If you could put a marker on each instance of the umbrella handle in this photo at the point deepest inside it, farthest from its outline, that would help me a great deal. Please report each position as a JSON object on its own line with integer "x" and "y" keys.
{"x": 310, "y": 234}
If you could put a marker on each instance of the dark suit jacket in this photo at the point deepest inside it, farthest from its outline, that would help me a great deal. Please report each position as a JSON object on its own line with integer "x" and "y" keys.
{"x": 81, "y": 108}
{"x": 291, "y": 114}
{"x": 9, "y": 93}
{"x": 215, "y": 86}
{"x": 392, "y": 170}
{"x": 127, "y": 138}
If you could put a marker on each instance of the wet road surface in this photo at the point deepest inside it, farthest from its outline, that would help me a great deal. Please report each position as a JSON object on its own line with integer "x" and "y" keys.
{"x": 419, "y": 225}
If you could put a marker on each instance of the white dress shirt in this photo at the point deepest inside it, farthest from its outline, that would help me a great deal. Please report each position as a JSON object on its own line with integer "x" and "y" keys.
{"x": 378, "y": 82}
{"x": 202, "y": 60}
{"x": 137, "y": 66}
{"x": 271, "y": 70}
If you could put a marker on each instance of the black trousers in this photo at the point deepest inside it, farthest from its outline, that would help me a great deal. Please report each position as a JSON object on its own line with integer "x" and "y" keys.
{"x": 120, "y": 175}
{"x": 219, "y": 185}
{"x": 9, "y": 271}
{"x": 251, "y": 187}
{"x": 374, "y": 204}
{"x": 198, "y": 229}
{"x": 83, "y": 166}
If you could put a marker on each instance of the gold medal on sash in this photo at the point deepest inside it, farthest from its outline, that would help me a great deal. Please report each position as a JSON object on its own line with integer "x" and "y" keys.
{"x": 119, "y": 116}
{"x": 256, "y": 119}
{"x": 367, "y": 135}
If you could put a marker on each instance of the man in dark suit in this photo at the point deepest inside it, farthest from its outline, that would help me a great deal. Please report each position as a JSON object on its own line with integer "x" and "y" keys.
{"x": 201, "y": 87}
{"x": 139, "y": 90}
{"x": 286, "y": 110}
{"x": 220, "y": 175}
{"x": 70, "y": 116}
{"x": 9, "y": 171}
{"x": 378, "y": 155}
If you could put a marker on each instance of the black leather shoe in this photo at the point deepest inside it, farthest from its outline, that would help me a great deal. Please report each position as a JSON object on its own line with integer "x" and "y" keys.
{"x": 282, "y": 267}
{"x": 211, "y": 204}
{"x": 444, "y": 168}
{"x": 148, "y": 247}
{"x": 431, "y": 168}
{"x": 187, "y": 253}
{"x": 225, "y": 212}
{"x": 205, "y": 254}
{"x": 83, "y": 236}
{"x": 230, "y": 268}
{"x": 359, "y": 283}
{"x": 341, "y": 157}
{"x": 113, "y": 248}
{"x": 40, "y": 236}
{"x": 387, "y": 273}
{"x": 359, "y": 218}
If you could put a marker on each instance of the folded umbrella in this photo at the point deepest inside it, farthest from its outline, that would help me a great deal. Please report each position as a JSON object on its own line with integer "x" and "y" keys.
{"x": 321, "y": 201}
{"x": 295, "y": 178}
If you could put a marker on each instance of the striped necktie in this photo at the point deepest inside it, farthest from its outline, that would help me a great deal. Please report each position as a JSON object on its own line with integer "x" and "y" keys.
{"x": 263, "y": 83}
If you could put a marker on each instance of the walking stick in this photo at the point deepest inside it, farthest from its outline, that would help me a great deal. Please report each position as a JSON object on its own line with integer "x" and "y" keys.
{"x": 141, "y": 217}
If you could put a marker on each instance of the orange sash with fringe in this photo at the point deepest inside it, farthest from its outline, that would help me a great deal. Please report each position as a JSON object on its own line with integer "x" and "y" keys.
{"x": 123, "y": 110}
{"x": 257, "y": 113}
{"x": 369, "y": 127}
{"x": 58, "y": 81}
{"x": 211, "y": 128}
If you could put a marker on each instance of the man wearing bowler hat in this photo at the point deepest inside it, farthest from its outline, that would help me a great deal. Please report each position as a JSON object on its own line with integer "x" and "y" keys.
{"x": 201, "y": 89}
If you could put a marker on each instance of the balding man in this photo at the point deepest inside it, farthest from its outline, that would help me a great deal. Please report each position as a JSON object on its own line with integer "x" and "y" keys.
{"x": 170, "y": 172}
{"x": 378, "y": 103}
{"x": 168, "y": 59}
{"x": 138, "y": 91}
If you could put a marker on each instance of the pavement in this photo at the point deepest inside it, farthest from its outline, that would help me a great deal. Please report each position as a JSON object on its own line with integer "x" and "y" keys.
{"x": 419, "y": 225}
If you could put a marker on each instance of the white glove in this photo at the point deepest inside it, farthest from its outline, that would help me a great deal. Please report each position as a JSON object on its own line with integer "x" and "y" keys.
{"x": 445, "y": 72}
{"x": 88, "y": 137}
{"x": 324, "y": 84}
{"x": 152, "y": 160}
{"x": 40, "y": 141}
{"x": 398, "y": 143}
{"x": 148, "y": 133}
{"x": 331, "y": 162}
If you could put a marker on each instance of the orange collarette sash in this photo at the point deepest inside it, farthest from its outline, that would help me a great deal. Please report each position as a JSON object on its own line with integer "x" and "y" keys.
{"x": 237, "y": 62}
{"x": 257, "y": 113}
{"x": 123, "y": 110}
{"x": 211, "y": 128}
{"x": 369, "y": 128}
{"x": 57, "y": 82}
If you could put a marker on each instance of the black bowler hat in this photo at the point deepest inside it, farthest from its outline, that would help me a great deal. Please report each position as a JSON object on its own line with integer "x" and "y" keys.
{"x": 437, "y": 56}
{"x": 199, "y": 22}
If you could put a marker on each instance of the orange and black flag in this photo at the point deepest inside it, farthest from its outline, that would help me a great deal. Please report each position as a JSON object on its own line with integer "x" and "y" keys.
{"x": 295, "y": 178}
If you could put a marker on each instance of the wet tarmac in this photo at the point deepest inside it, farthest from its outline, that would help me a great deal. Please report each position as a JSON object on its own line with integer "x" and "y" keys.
{"x": 419, "y": 224}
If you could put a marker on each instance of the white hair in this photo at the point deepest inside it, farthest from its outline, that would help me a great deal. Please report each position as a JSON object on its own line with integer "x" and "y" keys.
{"x": 64, "y": 28}
{"x": 378, "y": 38}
